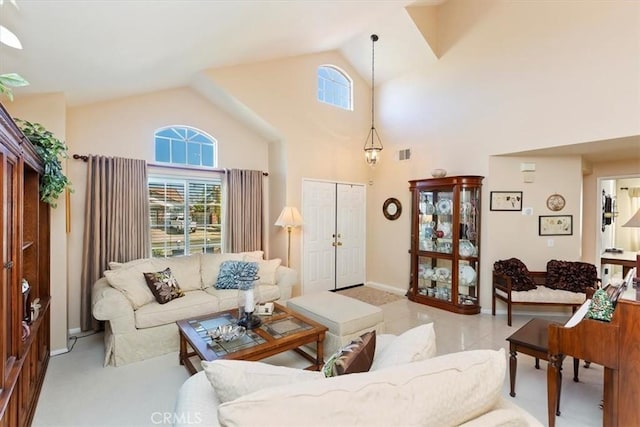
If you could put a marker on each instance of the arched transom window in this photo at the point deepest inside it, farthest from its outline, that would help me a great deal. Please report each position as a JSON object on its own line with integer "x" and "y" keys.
{"x": 183, "y": 145}
{"x": 335, "y": 87}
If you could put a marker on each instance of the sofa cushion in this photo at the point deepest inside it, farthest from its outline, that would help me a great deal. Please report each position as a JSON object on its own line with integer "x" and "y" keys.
{"x": 357, "y": 356}
{"x": 253, "y": 256}
{"x": 228, "y": 298}
{"x": 516, "y": 270}
{"x": 193, "y": 303}
{"x": 267, "y": 270}
{"x": 444, "y": 390}
{"x": 131, "y": 282}
{"x": 232, "y": 273}
{"x": 414, "y": 345}
{"x": 163, "y": 285}
{"x": 210, "y": 266}
{"x": 572, "y": 276}
{"x": 232, "y": 379}
{"x": 186, "y": 269}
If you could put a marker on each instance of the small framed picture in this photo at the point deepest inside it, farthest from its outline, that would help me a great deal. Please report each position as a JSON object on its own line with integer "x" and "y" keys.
{"x": 506, "y": 201}
{"x": 555, "y": 225}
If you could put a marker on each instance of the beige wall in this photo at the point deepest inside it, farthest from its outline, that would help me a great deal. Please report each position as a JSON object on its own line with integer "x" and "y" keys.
{"x": 511, "y": 76}
{"x": 50, "y": 111}
{"x": 319, "y": 141}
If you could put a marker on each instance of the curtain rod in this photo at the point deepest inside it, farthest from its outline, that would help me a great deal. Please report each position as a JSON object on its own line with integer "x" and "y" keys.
{"x": 85, "y": 158}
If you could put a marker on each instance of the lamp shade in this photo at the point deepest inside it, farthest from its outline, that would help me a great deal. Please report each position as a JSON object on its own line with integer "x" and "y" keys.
{"x": 289, "y": 218}
{"x": 634, "y": 221}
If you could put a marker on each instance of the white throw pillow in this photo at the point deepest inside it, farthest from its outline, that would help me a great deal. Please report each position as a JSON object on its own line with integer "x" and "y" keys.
{"x": 186, "y": 270}
{"x": 252, "y": 256}
{"x": 131, "y": 282}
{"x": 443, "y": 391}
{"x": 414, "y": 345}
{"x": 267, "y": 270}
{"x": 232, "y": 379}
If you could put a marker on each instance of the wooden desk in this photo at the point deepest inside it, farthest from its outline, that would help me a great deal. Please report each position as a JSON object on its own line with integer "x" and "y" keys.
{"x": 626, "y": 259}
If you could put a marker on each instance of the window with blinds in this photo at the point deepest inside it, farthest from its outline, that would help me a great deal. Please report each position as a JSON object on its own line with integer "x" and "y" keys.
{"x": 185, "y": 216}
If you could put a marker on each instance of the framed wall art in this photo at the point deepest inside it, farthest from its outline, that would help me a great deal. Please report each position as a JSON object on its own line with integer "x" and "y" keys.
{"x": 505, "y": 201}
{"x": 555, "y": 225}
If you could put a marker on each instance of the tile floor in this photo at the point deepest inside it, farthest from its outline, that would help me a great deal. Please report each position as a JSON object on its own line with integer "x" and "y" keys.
{"x": 79, "y": 391}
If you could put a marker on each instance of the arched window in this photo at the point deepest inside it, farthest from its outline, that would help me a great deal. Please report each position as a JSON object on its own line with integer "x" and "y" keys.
{"x": 335, "y": 87}
{"x": 183, "y": 145}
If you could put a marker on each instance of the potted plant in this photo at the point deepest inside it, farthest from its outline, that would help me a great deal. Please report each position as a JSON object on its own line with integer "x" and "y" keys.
{"x": 7, "y": 81}
{"x": 53, "y": 181}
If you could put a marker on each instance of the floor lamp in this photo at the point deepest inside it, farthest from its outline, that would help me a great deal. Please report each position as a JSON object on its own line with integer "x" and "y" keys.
{"x": 289, "y": 218}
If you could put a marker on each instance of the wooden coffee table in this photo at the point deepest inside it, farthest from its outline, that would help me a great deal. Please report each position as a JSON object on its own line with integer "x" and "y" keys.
{"x": 282, "y": 331}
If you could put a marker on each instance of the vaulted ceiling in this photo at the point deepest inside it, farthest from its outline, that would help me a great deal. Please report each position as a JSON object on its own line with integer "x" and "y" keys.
{"x": 96, "y": 50}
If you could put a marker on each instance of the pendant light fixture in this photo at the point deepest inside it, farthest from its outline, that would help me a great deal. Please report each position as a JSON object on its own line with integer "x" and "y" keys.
{"x": 372, "y": 145}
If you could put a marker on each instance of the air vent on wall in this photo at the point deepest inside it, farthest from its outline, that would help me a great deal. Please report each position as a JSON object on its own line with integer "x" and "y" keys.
{"x": 404, "y": 154}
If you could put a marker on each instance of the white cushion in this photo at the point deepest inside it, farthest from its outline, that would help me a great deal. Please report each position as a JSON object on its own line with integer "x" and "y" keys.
{"x": 442, "y": 391}
{"x": 414, "y": 345}
{"x": 131, "y": 282}
{"x": 228, "y": 298}
{"x": 232, "y": 379}
{"x": 252, "y": 256}
{"x": 210, "y": 266}
{"x": 186, "y": 270}
{"x": 192, "y": 304}
{"x": 267, "y": 270}
{"x": 544, "y": 294}
{"x": 114, "y": 265}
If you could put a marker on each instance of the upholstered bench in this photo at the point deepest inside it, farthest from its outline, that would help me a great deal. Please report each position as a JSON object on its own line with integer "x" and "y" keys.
{"x": 563, "y": 284}
{"x": 346, "y": 318}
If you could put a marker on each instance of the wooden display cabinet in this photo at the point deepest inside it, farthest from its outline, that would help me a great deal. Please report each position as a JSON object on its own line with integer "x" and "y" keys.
{"x": 24, "y": 232}
{"x": 445, "y": 243}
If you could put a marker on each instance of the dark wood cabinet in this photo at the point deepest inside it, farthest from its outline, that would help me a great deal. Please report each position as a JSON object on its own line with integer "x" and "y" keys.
{"x": 445, "y": 243}
{"x": 24, "y": 233}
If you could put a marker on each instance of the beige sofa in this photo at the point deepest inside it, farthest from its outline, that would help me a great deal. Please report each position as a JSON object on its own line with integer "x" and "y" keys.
{"x": 405, "y": 386}
{"x": 137, "y": 327}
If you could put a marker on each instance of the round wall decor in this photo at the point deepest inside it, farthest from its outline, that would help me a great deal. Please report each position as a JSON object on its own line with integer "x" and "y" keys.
{"x": 555, "y": 202}
{"x": 391, "y": 208}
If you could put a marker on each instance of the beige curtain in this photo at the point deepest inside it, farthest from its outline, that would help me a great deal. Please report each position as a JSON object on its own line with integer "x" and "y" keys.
{"x": 634, "y": 205}
{"x": 116, "y": 224}
{"x": 244, "y": 211}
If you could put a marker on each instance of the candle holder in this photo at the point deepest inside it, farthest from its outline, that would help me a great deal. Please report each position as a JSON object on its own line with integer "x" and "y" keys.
{"x": 248, "y": 299}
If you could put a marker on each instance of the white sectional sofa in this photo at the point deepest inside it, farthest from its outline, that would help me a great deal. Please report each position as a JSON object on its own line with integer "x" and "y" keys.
{"x": 137, "y": 327}
{"x": 405, "y": 386}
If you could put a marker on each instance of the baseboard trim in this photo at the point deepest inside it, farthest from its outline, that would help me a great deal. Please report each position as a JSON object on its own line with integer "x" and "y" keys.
{"x": 74, "y": 331}
{"x": 58, "y": 351}
{"x": 387, "y": 288}
{"x": 528, "y": 313}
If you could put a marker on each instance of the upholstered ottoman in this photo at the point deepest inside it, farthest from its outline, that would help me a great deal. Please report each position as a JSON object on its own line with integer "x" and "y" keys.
{"x": 346, "y": 318}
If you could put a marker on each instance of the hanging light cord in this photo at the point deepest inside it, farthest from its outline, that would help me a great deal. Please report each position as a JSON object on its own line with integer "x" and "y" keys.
{"x": 374, "y": 39}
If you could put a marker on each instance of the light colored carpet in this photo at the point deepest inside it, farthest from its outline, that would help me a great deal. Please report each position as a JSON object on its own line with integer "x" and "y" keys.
{"x": 371, "y": 295}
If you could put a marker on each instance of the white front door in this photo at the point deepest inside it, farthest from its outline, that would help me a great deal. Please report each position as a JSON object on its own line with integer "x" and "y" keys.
{"x": 350, "y": 229}
{"x": 333, "y": 235}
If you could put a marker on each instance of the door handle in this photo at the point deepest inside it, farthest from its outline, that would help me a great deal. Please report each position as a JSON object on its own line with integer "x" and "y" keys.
{"x": 336, "y": 244}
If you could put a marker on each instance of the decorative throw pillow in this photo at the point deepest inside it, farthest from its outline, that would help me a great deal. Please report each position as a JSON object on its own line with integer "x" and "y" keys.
{"x": 414, "y": 345}
{"x": 517, "y": 272}
{"x": 267, "y": 270}
{"x": 232, "y": 379}
{"x": 234, "y": 272}
{"x": 163, "y": 285}
{"x": 573, "y": 276}
{"x": 357, "y": 356}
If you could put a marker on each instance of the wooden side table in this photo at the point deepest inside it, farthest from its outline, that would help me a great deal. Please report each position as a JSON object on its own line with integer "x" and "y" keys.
{"x": 533, "y": 339}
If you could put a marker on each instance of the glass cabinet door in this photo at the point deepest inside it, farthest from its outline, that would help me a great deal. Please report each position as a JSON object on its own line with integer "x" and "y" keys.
{"x": 435, "y": 278}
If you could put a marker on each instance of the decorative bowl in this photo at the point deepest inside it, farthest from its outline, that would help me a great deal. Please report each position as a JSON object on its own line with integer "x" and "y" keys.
{"x": 227, "y": 332}
{"x": 443, "y": 206}
{"x": 438, "y": 173}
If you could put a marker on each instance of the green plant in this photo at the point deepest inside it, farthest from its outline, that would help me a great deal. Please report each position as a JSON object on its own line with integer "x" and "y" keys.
{"x": 52, "y": 182}
{"x": 7, "y": 81}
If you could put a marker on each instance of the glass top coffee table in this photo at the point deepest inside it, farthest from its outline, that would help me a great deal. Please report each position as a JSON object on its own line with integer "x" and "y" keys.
{"x": 281, "y": 331}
